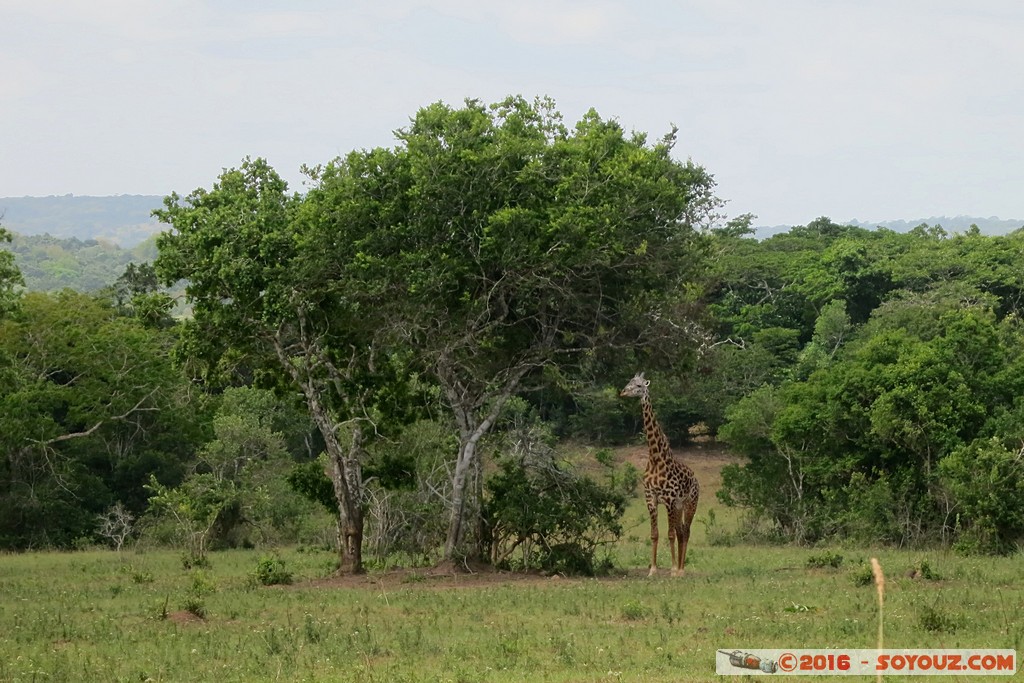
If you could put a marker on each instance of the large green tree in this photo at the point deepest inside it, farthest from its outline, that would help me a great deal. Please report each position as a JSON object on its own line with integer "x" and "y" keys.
{"x": 270, "y": 302}
{"x": 495, "y": 243}
{"x": 490, "y": 243}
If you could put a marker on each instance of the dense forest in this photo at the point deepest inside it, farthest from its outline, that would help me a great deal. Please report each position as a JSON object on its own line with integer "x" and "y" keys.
{"x": 402, "y": 352}
{"x": 49, "y": 264}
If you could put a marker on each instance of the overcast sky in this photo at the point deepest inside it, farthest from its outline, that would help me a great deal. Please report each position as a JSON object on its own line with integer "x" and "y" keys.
{"x": 866, "y": 109}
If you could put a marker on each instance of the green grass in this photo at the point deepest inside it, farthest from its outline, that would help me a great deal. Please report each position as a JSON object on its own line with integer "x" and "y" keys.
{"x": 95, "y": 616}
{"x": 87, "y": 616}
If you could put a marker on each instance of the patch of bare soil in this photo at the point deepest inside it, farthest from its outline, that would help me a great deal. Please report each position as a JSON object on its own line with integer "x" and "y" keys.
{"x": 443, "y": 576}
{"x": 434, "y": 578}
{"x": 183, "y": 617}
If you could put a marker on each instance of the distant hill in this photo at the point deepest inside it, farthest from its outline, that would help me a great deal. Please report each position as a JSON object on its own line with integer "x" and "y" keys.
{"x": 122, "y": 219}
{"x": 52, "y": 263}
{"x": 988, "y": 226}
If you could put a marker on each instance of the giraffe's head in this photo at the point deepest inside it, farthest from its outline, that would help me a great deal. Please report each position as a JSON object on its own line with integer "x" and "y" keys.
{"x": 637, "y": 386}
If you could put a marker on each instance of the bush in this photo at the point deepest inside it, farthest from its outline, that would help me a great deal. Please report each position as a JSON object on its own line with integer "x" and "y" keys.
{"x": 936, "y": 621}
{"x": 194, "y": 605}
{"x": 862, "y": 575}
{"x": 987, "y": 480}
{"x": 407, "y": 484}
{"x": 554, "y": 517}
{"x": 406, "y": 514}
{"x": 270, "y": 571}
{"x": 194, "y": 561}
{"x": 825, "y": 559}
{"x": 634, "y": 611}
{"x": 924, "y": 571}
{"x": 604, "y": 419}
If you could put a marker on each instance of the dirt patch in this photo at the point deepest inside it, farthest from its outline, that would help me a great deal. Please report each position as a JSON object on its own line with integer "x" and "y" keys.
{"x": 440, "y": 577}
{"x": 184, "y": 617}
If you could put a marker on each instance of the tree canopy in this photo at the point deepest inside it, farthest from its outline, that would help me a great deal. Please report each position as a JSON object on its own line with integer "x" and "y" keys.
{"x": 910, "y": 367}
{"x": 489, "y": 244}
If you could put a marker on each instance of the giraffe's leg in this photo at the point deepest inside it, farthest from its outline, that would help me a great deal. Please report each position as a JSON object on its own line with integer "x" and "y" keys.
{"x": 684, "y": 537}
{"x": 675, "y": 537}
{"x": 652, "y": 510}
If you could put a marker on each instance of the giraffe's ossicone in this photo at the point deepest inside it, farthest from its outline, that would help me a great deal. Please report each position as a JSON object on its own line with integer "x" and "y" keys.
{"x": 667, "y": 481}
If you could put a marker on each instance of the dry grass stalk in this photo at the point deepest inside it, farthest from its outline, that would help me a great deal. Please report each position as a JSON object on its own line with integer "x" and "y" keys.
{"x": 876, "y": 569}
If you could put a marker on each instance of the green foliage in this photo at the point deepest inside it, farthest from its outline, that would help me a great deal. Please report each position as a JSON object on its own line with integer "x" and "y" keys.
{"x": 603, "y": 419}
{"x": 553, "y": 516}
{"x": 195, "y": 507}
{"x": 934, "y": 620}
{"x": 270, "y": 571}
{"x": 635, "y": 611}
{"x": 855, "y": 442}
{"x": 406, "y": 515}
{"x": 51, "y": 263}
{"x": 10, "y": 276}
{"x": 201, "y": 585}
{"x": 90, "y": 407}
{"x": 863, "y": 575}
{"x": 308, "y": 480}
{"x": 136, "y": 294}
{"x": 923, "y": 570}
{"x": 236, "y": 492}
{"x": 557, "y": 520}
{"x": 825, "y": 559}
{"x": 987, "y": 481}
{"x": 194, "y": 605}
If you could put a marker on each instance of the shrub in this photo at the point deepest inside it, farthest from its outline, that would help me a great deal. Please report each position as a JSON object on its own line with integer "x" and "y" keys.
{"x": 634, "y": 611}
{"x": 194, "y": 605}
{"x": 193, "y": 561}
{"x": 863, "y": 576}
{"x": 270, "y": 571}
{"x": 825, "y": 559}
{"x": 924, "y": 570}
{"x": 987, "y": 480}
{"x": 935, "y": 621}
{"x": 553, "y": 516}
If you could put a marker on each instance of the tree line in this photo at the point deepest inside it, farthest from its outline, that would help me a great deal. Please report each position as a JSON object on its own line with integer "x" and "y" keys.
{"x": 892, "y": 409}
{"x": 49, "y": 264}
{"x": 403, "y": 346}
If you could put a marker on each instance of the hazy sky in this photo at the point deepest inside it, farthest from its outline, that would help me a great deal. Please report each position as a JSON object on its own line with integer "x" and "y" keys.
{"x": 867, "y": 109}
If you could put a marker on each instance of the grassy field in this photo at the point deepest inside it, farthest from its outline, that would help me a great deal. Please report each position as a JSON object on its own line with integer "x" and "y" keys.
{"x": 97, "y": 616}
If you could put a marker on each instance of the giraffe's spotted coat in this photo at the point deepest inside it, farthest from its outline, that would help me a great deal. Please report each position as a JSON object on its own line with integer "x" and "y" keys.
{"x": 666, "y": 480}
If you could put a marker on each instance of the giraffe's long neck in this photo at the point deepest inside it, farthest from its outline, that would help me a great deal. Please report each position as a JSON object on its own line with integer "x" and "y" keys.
{"x": 657, "y": 442}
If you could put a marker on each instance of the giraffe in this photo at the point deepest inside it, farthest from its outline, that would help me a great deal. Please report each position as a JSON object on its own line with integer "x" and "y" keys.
{"x": 666, "y": 480}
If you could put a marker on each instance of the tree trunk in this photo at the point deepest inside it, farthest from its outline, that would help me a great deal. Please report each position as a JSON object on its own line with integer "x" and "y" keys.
{"x": 346, "y": 476}
{"x": 343, "y": 468}
{"x": 463, "y": 466}
{"x": 467, "y": 463}
{"x": 464, "y": 405}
